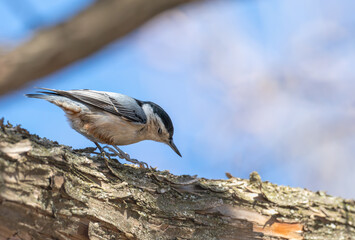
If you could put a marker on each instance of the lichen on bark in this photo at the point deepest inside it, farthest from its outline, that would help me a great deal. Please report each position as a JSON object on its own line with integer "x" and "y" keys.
{"x": 50, "y": 191}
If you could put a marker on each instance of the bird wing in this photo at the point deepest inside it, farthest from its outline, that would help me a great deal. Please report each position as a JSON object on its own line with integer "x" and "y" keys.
{"x": 115, "y": 103}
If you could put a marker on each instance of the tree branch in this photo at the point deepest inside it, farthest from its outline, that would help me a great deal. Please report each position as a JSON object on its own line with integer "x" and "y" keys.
{"x": 50, "y": 191}
{"x": 91, "y": 30}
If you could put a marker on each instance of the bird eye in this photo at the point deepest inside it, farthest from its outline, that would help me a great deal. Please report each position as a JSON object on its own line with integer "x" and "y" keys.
{"x": 159, "y": 131}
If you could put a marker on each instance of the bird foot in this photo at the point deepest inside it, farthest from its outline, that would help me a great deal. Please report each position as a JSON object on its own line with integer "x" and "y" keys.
{"x": 107, "y": 157}
{"x": 92, "y": 150}
{"x": 118, "y": 152}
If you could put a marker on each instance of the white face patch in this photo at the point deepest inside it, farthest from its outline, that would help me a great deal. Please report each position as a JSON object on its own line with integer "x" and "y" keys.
{"x": 154, "y": 123}
{"x": 148, "y": 110}
{"x": 160, "y": 122}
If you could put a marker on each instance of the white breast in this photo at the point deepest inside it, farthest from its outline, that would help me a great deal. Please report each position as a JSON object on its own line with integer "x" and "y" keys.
{"x": 107, "y": 128}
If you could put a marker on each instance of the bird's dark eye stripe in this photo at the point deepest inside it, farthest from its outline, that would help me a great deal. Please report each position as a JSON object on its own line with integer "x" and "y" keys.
{"x": 159, "y": 130}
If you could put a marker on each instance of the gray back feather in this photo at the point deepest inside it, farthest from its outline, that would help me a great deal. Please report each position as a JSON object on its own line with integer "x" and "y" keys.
{"x": 115, "y": 103}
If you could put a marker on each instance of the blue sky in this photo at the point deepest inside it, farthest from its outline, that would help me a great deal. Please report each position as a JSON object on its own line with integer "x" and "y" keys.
{"x": 261, "y": 86}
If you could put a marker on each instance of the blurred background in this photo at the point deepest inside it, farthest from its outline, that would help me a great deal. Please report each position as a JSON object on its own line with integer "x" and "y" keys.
{"x": 250, "y": 85}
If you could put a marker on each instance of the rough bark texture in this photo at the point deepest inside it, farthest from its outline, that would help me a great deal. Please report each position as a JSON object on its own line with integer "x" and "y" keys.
{"x": 88, "y": 32}
{"x": 49, "y": 191}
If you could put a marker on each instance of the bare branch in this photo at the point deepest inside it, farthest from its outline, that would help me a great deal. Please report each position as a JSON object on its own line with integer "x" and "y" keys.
{"x": 48, "y": 191}
{"x": 88, "y": 32}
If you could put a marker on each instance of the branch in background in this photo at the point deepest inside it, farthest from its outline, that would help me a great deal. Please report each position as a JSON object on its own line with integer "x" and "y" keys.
{"x": 49, "y": 191}
{"x": 91, "y": 30}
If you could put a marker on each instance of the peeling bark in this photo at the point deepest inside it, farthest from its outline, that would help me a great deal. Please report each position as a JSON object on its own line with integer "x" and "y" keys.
{"x": 49, "y": 191}
{"x": 91, "y": 30}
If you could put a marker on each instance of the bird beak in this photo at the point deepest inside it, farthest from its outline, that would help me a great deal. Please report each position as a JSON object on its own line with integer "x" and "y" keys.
{"x": 172, "y": 145}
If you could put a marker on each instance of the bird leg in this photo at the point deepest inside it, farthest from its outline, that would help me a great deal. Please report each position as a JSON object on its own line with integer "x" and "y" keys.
{"x": 105, "y": 155}
{"x": 121, "y": 154}
{"x": 92, "y": 150}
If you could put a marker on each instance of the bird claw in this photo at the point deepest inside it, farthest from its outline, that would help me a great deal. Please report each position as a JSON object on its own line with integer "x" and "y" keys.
{"x": 118, "y": 152}
{"x": 106, "y": 157}
{"x": 141, "y": 164}
{"x": 91, "y": 150}
{"x": 102, "y": 153}
{"x": 114, "y": 152}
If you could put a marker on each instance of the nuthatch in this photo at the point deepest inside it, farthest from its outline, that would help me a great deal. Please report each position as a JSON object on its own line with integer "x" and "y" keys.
{"x": 112, "y": 118}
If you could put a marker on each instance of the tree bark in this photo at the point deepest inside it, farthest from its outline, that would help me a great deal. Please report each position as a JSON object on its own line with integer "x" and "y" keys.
{"x": 49, "y": 191}
{"x": 91, "y": 30}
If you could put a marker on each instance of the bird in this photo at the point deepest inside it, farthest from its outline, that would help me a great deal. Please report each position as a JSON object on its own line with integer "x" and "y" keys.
{"x": 112, "y": 118}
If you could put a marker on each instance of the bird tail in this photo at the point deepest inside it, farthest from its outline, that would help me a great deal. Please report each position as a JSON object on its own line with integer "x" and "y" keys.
{"x": 52, "y": 96}
{"x": 36, "y": 95}
{"x": 43, "y": 94}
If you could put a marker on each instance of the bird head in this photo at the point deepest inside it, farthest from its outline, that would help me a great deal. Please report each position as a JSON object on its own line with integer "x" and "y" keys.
{"x": 160, "y": 124}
